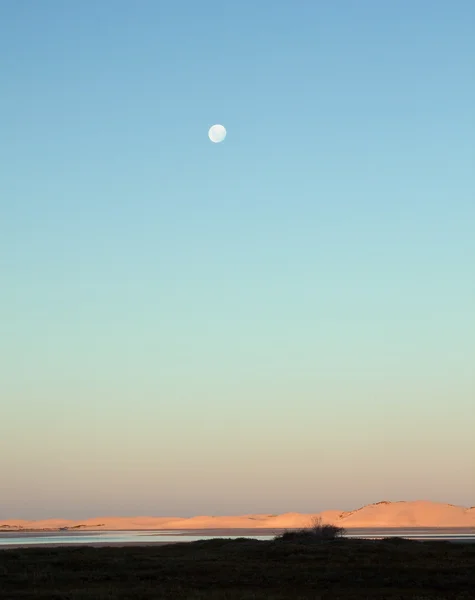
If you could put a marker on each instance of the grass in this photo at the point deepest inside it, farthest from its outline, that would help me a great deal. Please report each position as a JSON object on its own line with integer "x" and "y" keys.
{"x": 243, "y": 569}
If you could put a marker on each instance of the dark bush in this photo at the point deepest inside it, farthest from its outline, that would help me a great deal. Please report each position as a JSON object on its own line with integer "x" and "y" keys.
{"x": 396, "y": 540}
{"x": 315, "y": 532}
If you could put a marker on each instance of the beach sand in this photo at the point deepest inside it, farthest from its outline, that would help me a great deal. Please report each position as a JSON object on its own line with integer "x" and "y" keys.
{"x": 419, "y": 513}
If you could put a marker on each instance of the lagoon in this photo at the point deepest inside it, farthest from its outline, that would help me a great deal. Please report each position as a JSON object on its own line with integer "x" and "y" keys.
{"x": 59, "y": 538}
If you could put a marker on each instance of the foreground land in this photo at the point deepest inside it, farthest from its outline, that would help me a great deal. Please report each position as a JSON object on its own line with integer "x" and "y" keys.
{"x": 243, "y": 570}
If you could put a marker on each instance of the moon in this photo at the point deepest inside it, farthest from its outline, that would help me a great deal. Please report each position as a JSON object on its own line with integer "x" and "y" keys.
{"x": 217, "y": 133}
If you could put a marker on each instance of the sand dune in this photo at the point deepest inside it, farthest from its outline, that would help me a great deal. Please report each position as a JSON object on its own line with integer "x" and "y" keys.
{"x": 419, "y": 513}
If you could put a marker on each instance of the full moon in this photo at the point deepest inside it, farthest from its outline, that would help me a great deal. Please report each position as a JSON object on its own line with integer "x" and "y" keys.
{"x": 217, "y": 133}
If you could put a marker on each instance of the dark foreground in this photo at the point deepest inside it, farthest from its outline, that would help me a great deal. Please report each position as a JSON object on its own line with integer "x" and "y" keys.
{"x": 243, "y": 570}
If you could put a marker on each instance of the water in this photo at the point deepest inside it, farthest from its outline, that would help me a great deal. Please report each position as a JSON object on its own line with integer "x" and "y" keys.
{"x": 411, "y": 534}
{"x": 151, "y": 537}
{"x": 108, "y": 538}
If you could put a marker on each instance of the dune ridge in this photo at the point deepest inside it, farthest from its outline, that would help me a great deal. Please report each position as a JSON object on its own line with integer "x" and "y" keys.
{"x": 419, "y": 513}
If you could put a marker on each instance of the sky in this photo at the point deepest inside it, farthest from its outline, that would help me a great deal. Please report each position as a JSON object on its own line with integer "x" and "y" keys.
{"x": 284, "y": 321}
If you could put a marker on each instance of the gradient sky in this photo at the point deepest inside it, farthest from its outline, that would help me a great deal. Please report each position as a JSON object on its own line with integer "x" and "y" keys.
{"x": 281, "y": 322}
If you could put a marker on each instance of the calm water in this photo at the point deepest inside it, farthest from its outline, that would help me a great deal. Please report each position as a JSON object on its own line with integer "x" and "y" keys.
{"x": 120, "y": 537}
{"x": 107, "y": 538}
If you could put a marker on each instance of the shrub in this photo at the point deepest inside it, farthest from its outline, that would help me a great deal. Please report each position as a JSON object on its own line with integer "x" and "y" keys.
{"x": 317, "y": 531}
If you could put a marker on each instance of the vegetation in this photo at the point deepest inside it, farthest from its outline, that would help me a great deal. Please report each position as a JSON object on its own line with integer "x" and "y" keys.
{"x": 317, "y": 532}
{"x": 243, "y": 569}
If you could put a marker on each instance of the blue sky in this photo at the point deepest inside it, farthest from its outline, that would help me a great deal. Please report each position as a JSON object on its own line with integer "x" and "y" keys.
{"x": 280, "y": 322}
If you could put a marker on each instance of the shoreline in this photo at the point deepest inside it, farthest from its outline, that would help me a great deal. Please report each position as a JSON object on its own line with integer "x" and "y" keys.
{"x": 155, "y": 544}
{"x": 245, "y": 531}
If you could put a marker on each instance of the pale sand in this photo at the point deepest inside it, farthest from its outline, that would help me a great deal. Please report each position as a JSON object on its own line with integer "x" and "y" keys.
{"x": 419, "y": 513}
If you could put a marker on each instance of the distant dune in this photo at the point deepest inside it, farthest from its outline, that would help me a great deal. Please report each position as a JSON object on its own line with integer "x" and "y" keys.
{"x": 419, "y": 513}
